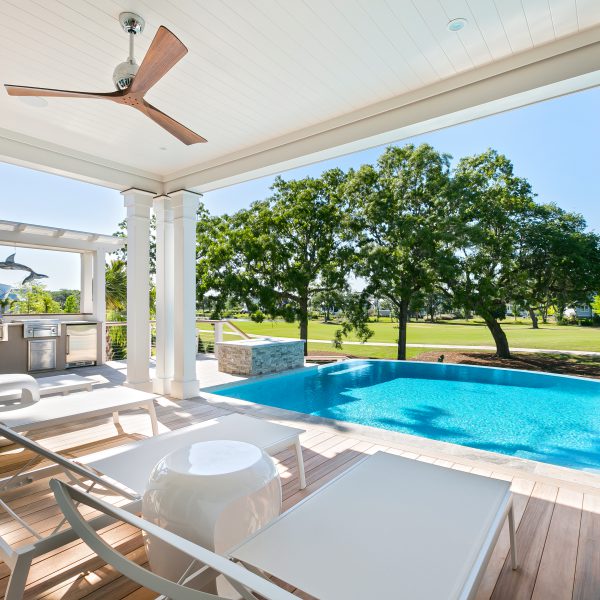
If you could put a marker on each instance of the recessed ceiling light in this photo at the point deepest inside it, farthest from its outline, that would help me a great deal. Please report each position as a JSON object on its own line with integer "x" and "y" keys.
{"x": 34, "y": 101}
{"x": 456, "y": 24}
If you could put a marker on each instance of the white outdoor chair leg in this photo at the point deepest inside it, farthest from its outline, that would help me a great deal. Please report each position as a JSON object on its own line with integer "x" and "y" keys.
{"x": 513, "y": 542}
{"x": 18, "y": 577}
{"x": 116, "y": 421}
{"x": 300, "y": 459}
{"x": 153, "y": 419}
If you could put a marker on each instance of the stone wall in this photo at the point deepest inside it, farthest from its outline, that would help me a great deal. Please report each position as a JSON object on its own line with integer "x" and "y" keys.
{"x": 258, "y": 357}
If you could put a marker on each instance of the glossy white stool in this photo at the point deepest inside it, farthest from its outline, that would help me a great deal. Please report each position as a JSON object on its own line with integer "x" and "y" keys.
{"x": 212, "y": 493}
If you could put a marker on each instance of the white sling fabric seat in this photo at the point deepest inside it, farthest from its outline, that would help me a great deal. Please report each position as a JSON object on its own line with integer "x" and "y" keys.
{"x": 388, "y": 527}
{"x": 132, "y": 464}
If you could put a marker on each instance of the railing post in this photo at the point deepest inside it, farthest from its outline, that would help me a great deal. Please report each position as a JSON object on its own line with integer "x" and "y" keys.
{"x": 218, "y": 332}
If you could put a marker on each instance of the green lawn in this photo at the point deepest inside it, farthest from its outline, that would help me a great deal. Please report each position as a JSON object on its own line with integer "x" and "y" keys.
{"x": 552, "y": 337}
{"x": 366, "y": 351}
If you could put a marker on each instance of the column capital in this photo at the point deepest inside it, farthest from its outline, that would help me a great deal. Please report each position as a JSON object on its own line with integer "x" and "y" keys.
{"x": 134, "y": 198}
{"x": 185, "y": 204}
{"x": 163, "y": 208}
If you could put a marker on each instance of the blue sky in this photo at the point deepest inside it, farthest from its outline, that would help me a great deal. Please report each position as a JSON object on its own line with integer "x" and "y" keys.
{"x": 554, "y": 144}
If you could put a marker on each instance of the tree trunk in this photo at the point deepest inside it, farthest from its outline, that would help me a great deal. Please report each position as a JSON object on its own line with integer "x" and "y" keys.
{"x": 502, "y": 349}
{"x": 560, "y": 311}
{"x": 402, "y": 321}
{"x": 534, "y": 319}
{"x": 304, "y": 322}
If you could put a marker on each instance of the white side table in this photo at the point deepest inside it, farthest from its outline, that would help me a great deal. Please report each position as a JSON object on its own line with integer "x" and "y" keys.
{"x": 215, "y": 494}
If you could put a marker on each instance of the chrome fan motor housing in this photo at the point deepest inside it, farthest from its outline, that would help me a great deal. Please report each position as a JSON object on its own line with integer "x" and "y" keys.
{"x": 124, "y": 74}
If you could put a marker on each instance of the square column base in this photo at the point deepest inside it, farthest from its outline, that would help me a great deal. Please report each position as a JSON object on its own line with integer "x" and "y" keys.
{"x": 185, "y": 389}
{"x": 144, "y": 386}
{"x": 161, "y": 386}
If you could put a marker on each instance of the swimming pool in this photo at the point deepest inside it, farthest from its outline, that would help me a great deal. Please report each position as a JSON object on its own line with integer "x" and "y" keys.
{"x": 549, "y": 418}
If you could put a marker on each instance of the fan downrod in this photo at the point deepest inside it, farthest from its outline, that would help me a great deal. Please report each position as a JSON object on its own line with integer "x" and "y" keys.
{"x": 125, "y": 72}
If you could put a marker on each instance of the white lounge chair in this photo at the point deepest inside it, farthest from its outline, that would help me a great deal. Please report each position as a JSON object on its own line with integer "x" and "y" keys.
{"x": 28, "y": 389}
{"x": 51, "y": 412}
{"x": 124, "y": 471}
{"x": 388, "y": 527}
{"x": 245, "y": 582}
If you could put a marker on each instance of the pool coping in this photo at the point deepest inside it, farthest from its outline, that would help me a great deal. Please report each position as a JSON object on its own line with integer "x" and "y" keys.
{"x": 587, "y": 481}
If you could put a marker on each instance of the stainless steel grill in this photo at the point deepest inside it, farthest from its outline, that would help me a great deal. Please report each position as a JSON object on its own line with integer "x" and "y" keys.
{"x": 41, "y": 328}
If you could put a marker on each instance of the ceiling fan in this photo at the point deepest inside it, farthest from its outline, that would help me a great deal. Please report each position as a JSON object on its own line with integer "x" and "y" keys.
{"x": 133, "y": 82}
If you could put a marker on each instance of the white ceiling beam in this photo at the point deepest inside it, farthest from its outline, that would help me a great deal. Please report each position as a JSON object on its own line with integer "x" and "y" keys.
{"x": 565, "y": 66}
{"x": 35, "y": 154}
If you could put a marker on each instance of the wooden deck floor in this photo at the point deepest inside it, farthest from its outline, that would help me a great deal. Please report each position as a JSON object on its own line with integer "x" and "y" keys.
{"x": 558, "y": 526}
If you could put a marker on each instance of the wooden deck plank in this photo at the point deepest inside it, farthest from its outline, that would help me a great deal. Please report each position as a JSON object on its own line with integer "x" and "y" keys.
{"x": 531, "y": 537}
{"x": 557, "y": 569}
{"x": 587, "y": 572}
{"x": 521, "y": 489}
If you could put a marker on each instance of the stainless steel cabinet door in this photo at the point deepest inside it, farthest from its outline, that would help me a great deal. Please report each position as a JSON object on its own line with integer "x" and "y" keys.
{"x": 42, "y": 355}
{"x": 82, "y": 342}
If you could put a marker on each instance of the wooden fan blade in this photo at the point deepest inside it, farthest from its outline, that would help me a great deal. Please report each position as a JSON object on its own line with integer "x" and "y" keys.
{"x": 21, "y": 90}
{"x": 165, "y": 51}
{"x": 181, "y": 132}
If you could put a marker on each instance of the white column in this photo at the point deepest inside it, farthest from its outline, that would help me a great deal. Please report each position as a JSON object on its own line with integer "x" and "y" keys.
{"x": 164, "y": 295}
{"x": 185, "y": 205}
{"x": 138, "y": 204}
{"x": 99, "y": 299}
{"x": 86, "y": 302}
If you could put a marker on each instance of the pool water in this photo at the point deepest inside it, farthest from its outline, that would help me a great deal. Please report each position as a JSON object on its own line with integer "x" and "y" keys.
{"x": 549, "y": 418}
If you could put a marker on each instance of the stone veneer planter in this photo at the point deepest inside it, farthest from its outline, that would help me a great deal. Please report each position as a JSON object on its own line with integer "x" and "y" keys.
{"x": 259, "y": 356}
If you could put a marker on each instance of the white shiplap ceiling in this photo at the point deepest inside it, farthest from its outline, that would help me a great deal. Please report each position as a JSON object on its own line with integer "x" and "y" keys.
{"x": 256, "y": 71}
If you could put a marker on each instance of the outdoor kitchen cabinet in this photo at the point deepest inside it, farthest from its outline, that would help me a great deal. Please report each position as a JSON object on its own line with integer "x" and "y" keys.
{"x": 19, "y": 354}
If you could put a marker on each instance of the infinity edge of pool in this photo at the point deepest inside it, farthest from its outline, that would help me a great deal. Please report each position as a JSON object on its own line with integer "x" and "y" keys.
{"x": 540, "y": 417}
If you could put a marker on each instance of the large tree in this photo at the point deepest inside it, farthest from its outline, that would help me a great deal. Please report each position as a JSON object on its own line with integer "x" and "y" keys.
{"x": 402, "y": 219}
{"x": 493, "y": 204}
{"x": 560, "y": 258}
{"x": 282, "y": 251}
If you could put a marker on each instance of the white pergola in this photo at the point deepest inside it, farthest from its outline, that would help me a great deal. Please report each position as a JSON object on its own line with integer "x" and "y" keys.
{"x": 272, "y": 86}
{"x": 91, "y": 247}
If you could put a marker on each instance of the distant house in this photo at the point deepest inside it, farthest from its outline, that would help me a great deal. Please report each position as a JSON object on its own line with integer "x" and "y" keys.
{"x": 7, "y": 291}
{"x": 579, "y": 311}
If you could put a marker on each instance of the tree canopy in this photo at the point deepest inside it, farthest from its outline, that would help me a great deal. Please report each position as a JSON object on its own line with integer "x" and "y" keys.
{"x": 420, "y": 234}
{"x": 400, "y": 217}
{"x": 492, "y": 203}
{"x": 277, "y": 254}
